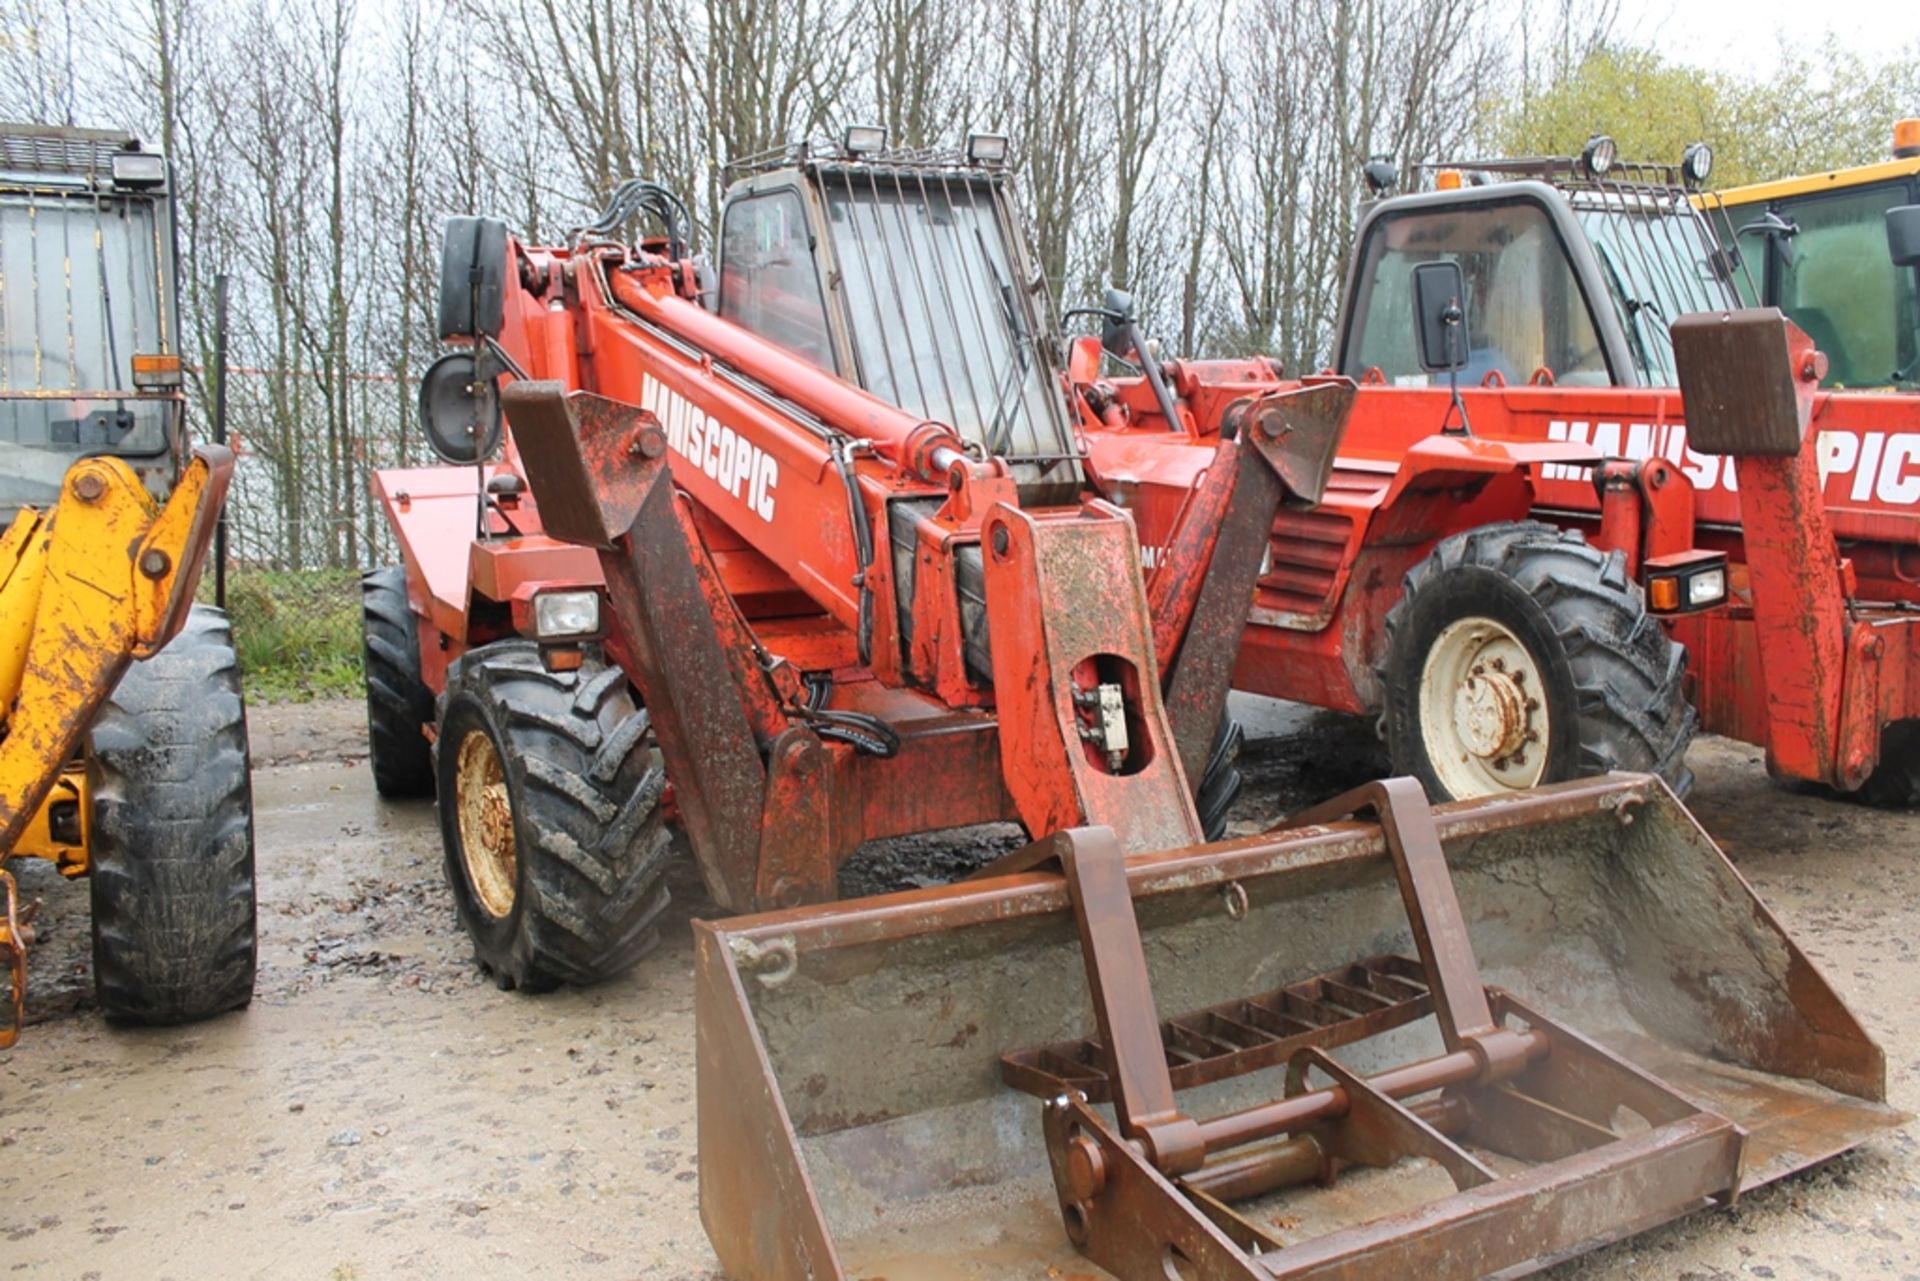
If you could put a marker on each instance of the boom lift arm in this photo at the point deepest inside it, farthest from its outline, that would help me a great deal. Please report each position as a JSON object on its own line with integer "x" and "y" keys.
{"x": 813, "y": 473}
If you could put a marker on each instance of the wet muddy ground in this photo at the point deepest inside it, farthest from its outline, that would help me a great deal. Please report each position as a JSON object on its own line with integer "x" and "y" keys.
{"x": 381, "y": 1111}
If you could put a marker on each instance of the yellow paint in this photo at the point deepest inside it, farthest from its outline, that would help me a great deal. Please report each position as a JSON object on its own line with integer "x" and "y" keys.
{"x": 1833, "y": 180}
{"x": 37, "y": 839}
{"x": 23, "y": 554}
{"x": 75, "y": 596}
{"x": 105, "y": 577}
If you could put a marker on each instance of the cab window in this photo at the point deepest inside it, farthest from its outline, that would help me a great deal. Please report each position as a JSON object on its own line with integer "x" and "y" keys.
{"x": 769, "y": 281}
{"x": 1834, "y": 279}
{"x": 1525, "y": 311}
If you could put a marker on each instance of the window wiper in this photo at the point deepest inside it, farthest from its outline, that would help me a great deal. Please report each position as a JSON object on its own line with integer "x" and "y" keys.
{"x": 1012, "y": 374}
{"x": 1630, "y": 309}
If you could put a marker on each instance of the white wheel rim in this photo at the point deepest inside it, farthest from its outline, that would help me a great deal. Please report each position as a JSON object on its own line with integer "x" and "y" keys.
{"x": 1483, "y": 713}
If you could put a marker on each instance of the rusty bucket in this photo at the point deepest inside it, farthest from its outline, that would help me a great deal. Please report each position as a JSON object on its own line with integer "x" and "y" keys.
{"x": 1464, "y": 1040}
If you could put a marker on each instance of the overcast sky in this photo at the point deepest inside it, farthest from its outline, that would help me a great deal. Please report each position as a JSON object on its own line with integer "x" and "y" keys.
{"x": 1739, "y": 35}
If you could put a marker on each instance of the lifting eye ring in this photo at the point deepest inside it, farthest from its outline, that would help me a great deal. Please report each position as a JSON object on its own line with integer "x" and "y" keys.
{"x": 1234, "y": 895}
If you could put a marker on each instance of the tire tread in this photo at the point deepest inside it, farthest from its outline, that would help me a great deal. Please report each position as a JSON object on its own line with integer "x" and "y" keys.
{"x": 172, "y": 852}
{"x": 399, "y": 704}
{"x": 593, "y": 840}
{"x": 1629, "y": 676}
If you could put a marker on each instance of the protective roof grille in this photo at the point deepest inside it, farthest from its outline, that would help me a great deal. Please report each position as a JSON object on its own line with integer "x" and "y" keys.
{"x": 62, "y": 151}
{"x": 832, "y": 152}
{"x": 1566, "y": 173}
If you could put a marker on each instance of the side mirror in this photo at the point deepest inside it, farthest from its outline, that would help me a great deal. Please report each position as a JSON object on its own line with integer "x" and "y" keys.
{"x": 1903, "y": 235}
{"x": 460, "y": 407}
{"x": 473, "y": 278}
{"x": 1776, "y": 230}
{"x": 1440, "y": 309}
{"x": 1116, "y": 328}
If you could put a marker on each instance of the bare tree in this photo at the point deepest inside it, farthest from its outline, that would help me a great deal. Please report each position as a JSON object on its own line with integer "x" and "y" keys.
{"x": 925, "y": 68}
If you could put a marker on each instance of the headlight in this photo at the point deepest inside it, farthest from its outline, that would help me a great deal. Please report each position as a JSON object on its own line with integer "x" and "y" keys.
{"x": 1686, "y": 581}
{"x": 1707, "y": 588}
{"x": 562, "y": 614}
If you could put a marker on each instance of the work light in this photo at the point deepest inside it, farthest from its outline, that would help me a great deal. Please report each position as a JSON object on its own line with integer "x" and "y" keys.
{"x": 1598, "y": 155}
{"x": 139, "y": 169}
{"x": 987, "y": 148}
{"x": 1696, "y": 163}
{"x": 862, "y": 140}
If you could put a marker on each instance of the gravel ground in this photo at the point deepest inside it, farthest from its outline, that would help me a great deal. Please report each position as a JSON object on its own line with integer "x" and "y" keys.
{"x": 381, "y": 1111}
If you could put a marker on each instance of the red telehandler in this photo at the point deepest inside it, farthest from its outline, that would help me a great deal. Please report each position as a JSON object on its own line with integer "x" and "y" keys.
{"x": 833, "y": 564}
{"x": 799, "y": 637}
{"x": 1497, "y": 566}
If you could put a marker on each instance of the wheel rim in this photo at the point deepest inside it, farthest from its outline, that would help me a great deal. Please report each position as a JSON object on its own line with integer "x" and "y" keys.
{"x": 485, "y": 812}
{"x": 1483, "y": 711}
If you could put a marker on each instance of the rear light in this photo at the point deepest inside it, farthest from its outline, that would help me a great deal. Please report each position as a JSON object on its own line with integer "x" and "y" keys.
{"x": 157, "y": 371}
{"x": 1686, "y": 581}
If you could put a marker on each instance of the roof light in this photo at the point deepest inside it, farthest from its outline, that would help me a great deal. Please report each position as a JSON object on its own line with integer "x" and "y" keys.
{"x": 1448, "y": 180}
{"x": 1598, "y": 155}
{"x": 987, "y": 148}
{"x": 1381, "y": 175}
{"x": 139, "y": 169}
{"x": 1906, "y": 139}
{"x": 862, "y": 140}
{"x": 1696, "y": 162}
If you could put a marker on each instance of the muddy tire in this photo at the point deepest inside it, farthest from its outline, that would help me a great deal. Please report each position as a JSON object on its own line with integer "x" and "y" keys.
{"x": 550, "y": 788}
{"x": 399, "y": 704}
{"x": 1519, "y": 655}
{"x": 172, "y": 879}
{"x": 1221, "y": 781}
{"x": 1895, "y": 782}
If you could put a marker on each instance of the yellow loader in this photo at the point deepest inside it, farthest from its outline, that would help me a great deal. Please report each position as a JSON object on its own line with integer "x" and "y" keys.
{"x": 132, "y": 774}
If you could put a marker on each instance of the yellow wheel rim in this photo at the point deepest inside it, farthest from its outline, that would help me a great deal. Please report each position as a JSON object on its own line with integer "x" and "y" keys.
{"x": 485, "y": 813}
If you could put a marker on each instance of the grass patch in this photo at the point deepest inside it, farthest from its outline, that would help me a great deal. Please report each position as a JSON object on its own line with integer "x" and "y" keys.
{"x": 297, "y": 633}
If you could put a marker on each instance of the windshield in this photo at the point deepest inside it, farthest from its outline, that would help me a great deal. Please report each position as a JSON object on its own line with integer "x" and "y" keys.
{"x": 1525, "y": 310}
{"x": 940, "y": 326}
{"x": 1659, "y": 262}
{"x": 1830, "y": 271}
{"x": 83, "y": 287}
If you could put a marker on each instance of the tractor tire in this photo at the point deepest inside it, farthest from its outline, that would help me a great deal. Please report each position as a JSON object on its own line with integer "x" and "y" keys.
{"x": 1221, "y": 781}
{"x": 1895, "y": 782}
{"x": 550, "y": 813}
{"x": 1519, "y": 655}
{"x": 171, "y": 844}
{"x": 399, "y": 704}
